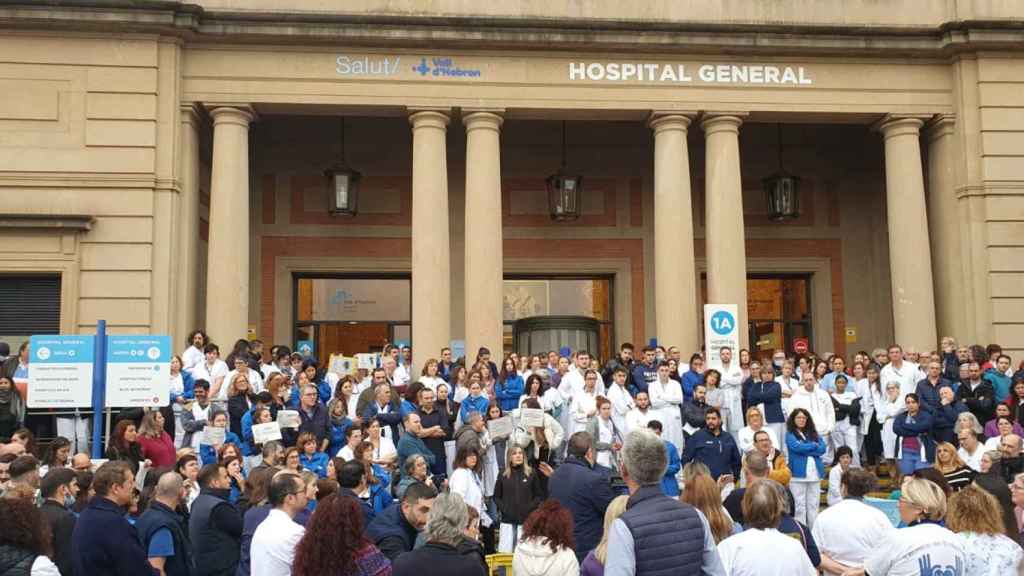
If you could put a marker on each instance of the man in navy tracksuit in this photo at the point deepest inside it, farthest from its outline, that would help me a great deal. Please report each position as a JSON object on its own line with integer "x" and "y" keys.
{"x": 713, "y": 447}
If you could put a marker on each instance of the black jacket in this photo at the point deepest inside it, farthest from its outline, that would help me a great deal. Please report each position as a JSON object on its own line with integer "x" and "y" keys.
{"x": 981, "y": 401}
{"x": 62, "y": 527}
{"x": 517, "y": 495}
{"x": 159, "y": 517}
{"x": 16, "y": 561}
{"x": 994, "y": 483}
{"x": 215, "y": 529}
{"x": 436, "y": 559}
{"x": 105, "y": 544}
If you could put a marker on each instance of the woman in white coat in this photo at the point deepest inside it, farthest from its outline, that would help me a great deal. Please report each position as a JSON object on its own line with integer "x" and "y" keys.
{"x": 467, "y": 483}
{"x": 584, "y": 402}
{"x": 667, "y": 398}
{"x": 887, "y": 406}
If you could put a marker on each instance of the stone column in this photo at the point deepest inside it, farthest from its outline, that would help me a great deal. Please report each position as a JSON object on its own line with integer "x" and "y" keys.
{"x": 910, "y": 261}
{"x": 944, "y": 229}
{"x": 484, "y": 274}
{"x": 675, "y": 278}
{"x": 188, "y": 227}
{"x": 723, "y": 222}
{"x": 227, "y": 279}
{"x": 431, "y": 267}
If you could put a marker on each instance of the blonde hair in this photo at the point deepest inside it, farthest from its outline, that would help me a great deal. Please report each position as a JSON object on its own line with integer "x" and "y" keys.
{"x": 927, "y": 496}
{"x": 957, "y": 462}
{"x": 974, "y": 510}
{"x": 703, "y": 494}
{"x": 527, "y": 471}
{"x": 755, "y": 410}
{"x": 611, "y": 514}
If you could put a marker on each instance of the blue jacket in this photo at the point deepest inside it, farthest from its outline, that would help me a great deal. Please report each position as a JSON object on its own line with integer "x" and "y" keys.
{"x": 337, "y": 441}
{"x": 719, "y": 453}
{"x": 471, "y": 404}
{"x": 208, "y": 454}
{"x": 391, "y": 418}
{"x": 249, "y": 445}
{"x": 586, "y": 491}
{"x": 391, "y": 532}
{"x": 769, "y": 394}
{"x": 920, "y": 428}
{"x": 252, "y": 520}
{"x": 1000, "y": 383}
{"x": 800, "y": 450}
{"x": 669, "y": 484}
{"x": 409, "y": 445}
{"x": 690, "y": 381}
{"x": 105, "y": 544}
{"x": 928, "y": 395}
{"x": 323, "y": 391}
{"x": 316, "y": 463}
{"x": 189, "y": 384}
{"x": 508, "y": 392}
{"x": 643, "y": 375}
{"x": 945, "y": 421}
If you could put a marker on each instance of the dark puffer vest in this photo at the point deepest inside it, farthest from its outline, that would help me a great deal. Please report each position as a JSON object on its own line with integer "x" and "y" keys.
{"x": 668, "y": 535}
{"x": 15, "y": 561}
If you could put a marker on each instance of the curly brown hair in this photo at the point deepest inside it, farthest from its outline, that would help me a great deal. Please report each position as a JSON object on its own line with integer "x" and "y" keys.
{"x": 333, "y": 537}
{"x": 551, "y": 523}
{"x": 23, "y": 526}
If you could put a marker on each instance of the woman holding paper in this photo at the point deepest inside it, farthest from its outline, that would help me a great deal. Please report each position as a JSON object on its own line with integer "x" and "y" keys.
{"x": 213, "y": 439}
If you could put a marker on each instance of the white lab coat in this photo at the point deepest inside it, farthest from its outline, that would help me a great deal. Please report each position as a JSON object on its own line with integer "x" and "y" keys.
{"x": 622, "y": 403}
{"x": 584, "y": 405}
{"x": 467, "y": 484}
{"x": 732, "y": 405}
{"x": 885, "y": 413}
{"x": 819, "y": 404}
{"x": 768, "y": 552}
{"x": 637, "y": 420}
{"x": 667, "y": 399}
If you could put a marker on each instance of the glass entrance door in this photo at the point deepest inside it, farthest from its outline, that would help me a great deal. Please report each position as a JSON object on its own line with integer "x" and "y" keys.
{"x": 778, "y": 311}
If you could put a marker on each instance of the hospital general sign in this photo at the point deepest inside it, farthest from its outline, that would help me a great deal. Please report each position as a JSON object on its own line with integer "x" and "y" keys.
{"x": 506, "y": 69}
{"x": 683, "y": 73}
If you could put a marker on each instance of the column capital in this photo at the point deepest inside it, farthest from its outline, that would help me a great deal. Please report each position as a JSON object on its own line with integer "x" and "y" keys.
{"x": 429, "y": 118}
{"x": 660, "y": 121}
{"x": 901, "y": 124}
{"x": 242, "y": 115}
{"x": 941, "y": 125}
{"x": 483, "y": 121}
{"x": 191, "y": 113}
{"x": 713, "y": 122}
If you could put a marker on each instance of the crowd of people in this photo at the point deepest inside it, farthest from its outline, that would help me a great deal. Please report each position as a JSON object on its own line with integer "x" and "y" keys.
{"x": 644, "y": 465}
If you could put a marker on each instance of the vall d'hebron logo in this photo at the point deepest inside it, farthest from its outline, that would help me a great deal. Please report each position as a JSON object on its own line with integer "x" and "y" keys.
{"x": 389, "y": 66}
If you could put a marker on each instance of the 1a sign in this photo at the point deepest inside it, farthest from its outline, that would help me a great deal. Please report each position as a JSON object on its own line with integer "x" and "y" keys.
{"x": 60, "y": 371}
{"x": 721, "y": 329}
{"x": 138, "y": 371}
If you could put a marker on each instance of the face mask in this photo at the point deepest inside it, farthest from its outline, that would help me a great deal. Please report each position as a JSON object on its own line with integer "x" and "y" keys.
{"x": 777, "y": 363}
{"x": 69, "y": 501}
{"x": 660, "y": 357}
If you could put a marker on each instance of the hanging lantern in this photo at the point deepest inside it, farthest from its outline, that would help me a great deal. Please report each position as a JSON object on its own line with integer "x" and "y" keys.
{"x": 564, "y": 191}
{"x": 342, "y": 184}
{"x": 781, "y": 191}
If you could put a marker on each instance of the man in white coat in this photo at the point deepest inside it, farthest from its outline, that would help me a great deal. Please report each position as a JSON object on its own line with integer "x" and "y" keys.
{"x": 731, "y": 385}
{"x": 667, "y": 398}
{"x": 641, "y": 414}
{"x": 622, "y": 402}
{"x": 899, "y": 370}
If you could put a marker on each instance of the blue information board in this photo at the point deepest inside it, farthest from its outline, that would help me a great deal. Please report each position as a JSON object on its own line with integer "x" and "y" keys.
{"x": 60, "y": 371}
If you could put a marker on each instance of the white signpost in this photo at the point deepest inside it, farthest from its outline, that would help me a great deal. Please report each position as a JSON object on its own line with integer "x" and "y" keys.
{"x": 721, "y": 329}
{"x": 138, "y": 371}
